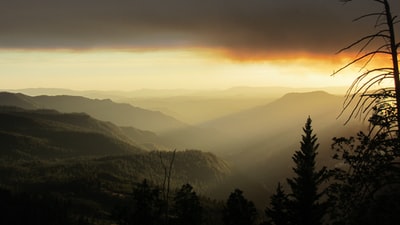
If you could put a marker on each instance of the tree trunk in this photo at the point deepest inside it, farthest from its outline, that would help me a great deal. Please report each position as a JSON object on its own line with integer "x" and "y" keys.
{"x": 393, "y": 50}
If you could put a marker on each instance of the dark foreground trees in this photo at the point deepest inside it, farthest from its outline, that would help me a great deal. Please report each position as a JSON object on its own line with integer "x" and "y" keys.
{"x": 187, "y": 208}
{"x": 367, "y": 184}
{"x": 36, "y": 209}
{"x": 147, "y": 207}
{"x": 368, "y": 180}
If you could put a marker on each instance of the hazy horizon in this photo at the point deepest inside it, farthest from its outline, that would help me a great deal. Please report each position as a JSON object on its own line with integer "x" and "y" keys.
{"x": 337, "y": 90}
{"x": 194, "y": 107}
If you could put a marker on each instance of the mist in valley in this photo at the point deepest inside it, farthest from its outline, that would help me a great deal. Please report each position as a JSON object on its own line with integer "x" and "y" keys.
{"x": 254, "y": 130}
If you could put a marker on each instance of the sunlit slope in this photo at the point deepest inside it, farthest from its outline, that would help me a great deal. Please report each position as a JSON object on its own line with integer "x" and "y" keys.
{"x": 118, "y": 113}
{"x": 281, "y": 119}
{"x": 107, "y": 110}
{"x": 268, "y": 129}
{"x": 279, "y": 114}
{"x": 263, "y": 139}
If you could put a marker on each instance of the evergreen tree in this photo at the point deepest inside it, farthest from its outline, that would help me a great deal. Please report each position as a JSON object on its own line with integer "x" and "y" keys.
{"x": 277, "y": 214}
{"x": 305, "y": 206}
{"x": 187, "y": 206}
{"x": 239, "y": 210}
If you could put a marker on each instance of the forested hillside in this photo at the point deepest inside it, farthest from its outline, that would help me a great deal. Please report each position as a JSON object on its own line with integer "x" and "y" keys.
{"x": 73, "y": 160}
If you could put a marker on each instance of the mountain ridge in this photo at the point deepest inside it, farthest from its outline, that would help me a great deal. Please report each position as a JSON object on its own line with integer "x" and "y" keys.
{"x": 60, "y": 135}
{"x": 119, "y": 113}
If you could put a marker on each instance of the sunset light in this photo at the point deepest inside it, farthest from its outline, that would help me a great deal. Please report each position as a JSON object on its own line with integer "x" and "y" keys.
{"x": 162, "y": 69}
{"x": 199, "y": 112}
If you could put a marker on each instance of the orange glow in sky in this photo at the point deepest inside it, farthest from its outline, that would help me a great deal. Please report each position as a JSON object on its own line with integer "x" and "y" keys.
{"x": 128, "y": 45}
{"x": 163, "y": 69}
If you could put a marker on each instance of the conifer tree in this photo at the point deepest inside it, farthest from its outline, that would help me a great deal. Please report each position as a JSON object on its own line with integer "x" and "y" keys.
{"x": 278, "y": 214}
{"x": 305, "y": 206}
{"x": 239, "y": 210}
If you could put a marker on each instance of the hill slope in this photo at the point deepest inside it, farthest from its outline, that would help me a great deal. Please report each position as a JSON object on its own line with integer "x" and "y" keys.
{"x": 17, "y": 100}
{"x": 106, "y": 110}
{"x": 48, "y": 133}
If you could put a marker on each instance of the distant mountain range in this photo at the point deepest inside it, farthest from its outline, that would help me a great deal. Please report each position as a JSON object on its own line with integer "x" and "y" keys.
{"x": 239, "y": 91}
{"x": 258, "y": 141}
{"x": 190, "y": 106}
{"x": 145, "y": 125}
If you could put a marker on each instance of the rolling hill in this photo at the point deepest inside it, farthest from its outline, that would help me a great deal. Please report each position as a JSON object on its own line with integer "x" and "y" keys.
{"x": 17, "y": 100}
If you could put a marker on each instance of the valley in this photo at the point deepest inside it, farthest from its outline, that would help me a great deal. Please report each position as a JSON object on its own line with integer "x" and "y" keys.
{"x": 64, "y": 139}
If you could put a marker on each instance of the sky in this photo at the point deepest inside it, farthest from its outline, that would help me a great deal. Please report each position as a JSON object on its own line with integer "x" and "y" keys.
{"x": 169, "y": 44}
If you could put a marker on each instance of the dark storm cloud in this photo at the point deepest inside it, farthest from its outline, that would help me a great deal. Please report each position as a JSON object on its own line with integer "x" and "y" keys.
{"x": 250, "y": 26}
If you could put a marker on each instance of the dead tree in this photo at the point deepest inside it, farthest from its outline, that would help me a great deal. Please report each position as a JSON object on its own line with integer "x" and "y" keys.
{"x": 361, "y": 92}
{"x": 167, "y": 181}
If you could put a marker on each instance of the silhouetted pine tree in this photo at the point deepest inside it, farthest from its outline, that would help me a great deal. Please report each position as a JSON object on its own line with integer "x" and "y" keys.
{"x": 305, "y": 207}
{"x": 278, "y": 213}
{"x": 239, "y": 210}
